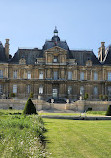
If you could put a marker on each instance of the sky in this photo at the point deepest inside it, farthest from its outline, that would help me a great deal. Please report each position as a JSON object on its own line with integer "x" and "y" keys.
{"x": 84, "y": 24}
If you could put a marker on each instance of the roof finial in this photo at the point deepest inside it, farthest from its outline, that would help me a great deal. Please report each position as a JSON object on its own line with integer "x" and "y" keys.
{"x": 55, "y": 31}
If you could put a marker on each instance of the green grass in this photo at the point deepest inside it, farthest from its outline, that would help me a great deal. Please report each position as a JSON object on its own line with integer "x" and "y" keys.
{"x": 21, "y": 136}
{"x": 78, "y": 139}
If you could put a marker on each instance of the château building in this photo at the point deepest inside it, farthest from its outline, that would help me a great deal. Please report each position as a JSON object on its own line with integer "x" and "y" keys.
{"x": 55, "y": 71}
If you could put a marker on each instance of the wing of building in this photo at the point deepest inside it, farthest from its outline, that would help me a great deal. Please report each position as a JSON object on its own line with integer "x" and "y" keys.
{"x": 55, "y": 71}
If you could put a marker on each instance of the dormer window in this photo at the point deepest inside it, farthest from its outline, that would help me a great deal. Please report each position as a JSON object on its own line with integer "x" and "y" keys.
{"x": 55, "y": 60}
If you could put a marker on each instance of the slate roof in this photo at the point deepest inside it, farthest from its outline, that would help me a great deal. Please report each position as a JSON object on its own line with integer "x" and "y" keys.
{"x": 107, "y": 59}
{"x": 82, "y": 56}
{"x": 2, "y": 54}
{"x": 29, "y": 55}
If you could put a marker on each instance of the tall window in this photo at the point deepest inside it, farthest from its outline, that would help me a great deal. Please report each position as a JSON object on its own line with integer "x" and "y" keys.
{"x": 109, "y": 90}
{"x": 1, "y": 73}
{"x": 41, "y": 89}
{"x": 41, "y": 75}
{"x": 0, "y": 88}
{"x": 81, "y": 90}
{"x": 69, "y": 75}
{"x": 14, "y": 88}
{"x": 69, "y": 90}
{"x": 55, "y": 60}
{"x": 28, "y": 89}
{"x": 29, "y": 75}
{"x": 109, "y": 76}
{"x": 55, "y": 75}
{"x": 95, "y": 92}
{"x": 82, "y": 76}
{"x": 95, "y": 76}
{"x": 15, "y": 74}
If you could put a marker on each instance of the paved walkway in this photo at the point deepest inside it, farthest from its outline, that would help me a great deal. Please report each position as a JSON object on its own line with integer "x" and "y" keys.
{"x": 77, "y": 117}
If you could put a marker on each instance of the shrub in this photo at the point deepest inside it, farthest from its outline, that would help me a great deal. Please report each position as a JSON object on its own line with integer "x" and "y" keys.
{"x": 108, "y": 113}
{"x": 29, "y": 107}
{"x": 101, "y": 97}
{"x": 89, "y": 109}
{"x": 12, "y": 95}
{"x": 86, "y": 96}
{"x": 105, "y": 97}
{"x": 31, "y": 95}
{"x": 10, "y": 108}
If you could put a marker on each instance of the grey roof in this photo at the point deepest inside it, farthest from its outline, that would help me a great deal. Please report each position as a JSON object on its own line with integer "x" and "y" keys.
{"x": 2, "y": 53}
{"x": 82, "y": 56}
{"x": 29, "y": 55}
{"x": 52, "y": 43}
{"x": 107, "y": 59}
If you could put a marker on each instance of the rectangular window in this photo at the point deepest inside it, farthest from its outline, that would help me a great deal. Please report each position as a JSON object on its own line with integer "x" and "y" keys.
{"x": 69, "y": 75}
{"x": 0, "y": 89}
{"x": 1, "y": 73}
{"x": 55, "y": 75}
{"x": 55, "y": 59}
{"x": 29, "y": 75}
{"x": 41, "y": 75}
{"x": 69, "y": 90}
{"x": 15, "y": 74}
{"x": 82, "y": 76}
{"x": 54, "y": 92}
{"x": 109, "y": 76}
{"x": 28, "y": 89}
{"x": 95, "y": 91}
{"x": 41, "y": 90}
{"x": 109, "y": 90}
{"x": 81, "y": 90}
{"x": 95, "y": 76}
{"x": 14, "y": 88}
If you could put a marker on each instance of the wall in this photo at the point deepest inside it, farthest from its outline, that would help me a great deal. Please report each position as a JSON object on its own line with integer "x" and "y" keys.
{"x": 79, "y": 105}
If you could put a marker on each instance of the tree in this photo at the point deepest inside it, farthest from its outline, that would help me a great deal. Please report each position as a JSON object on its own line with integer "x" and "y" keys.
{"x": 12, "y": 95}
{"x": 105, "y": 97}
{"x": 86, "y": 96}
{"x": 31, "y": 95}
{"x": 108, "y": 113}
{"x": 101, "y": 97}
{"x": 29, "y": 108}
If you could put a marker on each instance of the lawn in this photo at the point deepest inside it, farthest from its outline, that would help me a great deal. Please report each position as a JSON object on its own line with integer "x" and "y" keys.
{"x": 78, "y": 139}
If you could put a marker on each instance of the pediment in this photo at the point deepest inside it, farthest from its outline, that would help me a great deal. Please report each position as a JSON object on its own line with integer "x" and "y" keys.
{"x": 56, "y": 49}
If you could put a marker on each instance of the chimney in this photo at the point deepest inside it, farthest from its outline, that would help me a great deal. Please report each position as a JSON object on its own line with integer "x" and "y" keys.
{"x": 7, "y": 48}
{"x": 101, "y": 52}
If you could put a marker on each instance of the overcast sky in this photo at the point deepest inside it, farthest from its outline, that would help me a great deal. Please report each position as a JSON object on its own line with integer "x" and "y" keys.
{"x": 82, "y": 23}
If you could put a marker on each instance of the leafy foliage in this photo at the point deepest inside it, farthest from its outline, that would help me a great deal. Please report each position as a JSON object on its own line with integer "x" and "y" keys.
{"x": 12, "y": 95}
{"x": 22, "y": 136}
{"x": 108, "y": 113}
{"x": 29, "y": 108}
{"x": 31, "y": 95}
{"x": 86, "y": 96}
{"x": 101, "y": 97}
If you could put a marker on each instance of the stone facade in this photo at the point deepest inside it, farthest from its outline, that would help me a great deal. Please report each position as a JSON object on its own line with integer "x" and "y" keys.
{"x": 55, "y": 71}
